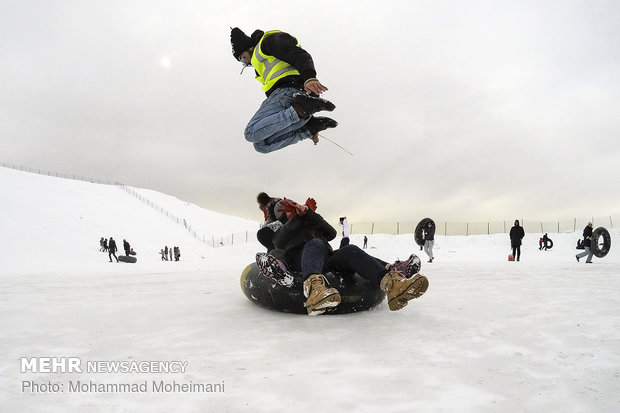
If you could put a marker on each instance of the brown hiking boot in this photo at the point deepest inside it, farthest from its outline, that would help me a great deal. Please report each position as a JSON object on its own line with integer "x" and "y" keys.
{"x": 319, "y": 297}
{"x": 400, "y": 289}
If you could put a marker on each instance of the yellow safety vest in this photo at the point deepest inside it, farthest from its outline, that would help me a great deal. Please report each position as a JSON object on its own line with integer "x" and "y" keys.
{"x": 269, "y": 68}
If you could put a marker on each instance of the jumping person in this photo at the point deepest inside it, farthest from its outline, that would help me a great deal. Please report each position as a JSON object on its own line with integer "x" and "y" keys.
{"x": 304, "y": 239}
{"x": 516, "y": 235}
{"x": 285, "y": 71}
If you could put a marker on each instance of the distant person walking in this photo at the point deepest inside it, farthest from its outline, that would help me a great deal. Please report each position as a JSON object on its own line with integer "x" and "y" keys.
{"x": 101, "y": 244}
{"x": 112, "y": 249}
{"x": 126, "y": 247}
{"x": 166, "y": 253}
{"x": 345, "y": 231}
{"x": 516, "y": 235}
{"x": 429, "y": 240}
{"x": 365, "y": 242}
{"x": 587, "y": 242}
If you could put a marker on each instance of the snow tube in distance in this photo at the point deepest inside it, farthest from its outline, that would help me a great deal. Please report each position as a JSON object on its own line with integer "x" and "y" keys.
{"x": 419, "y": 229}
{"x": 357, "y": 293}
{"x": 548, "y": 244}
{"x": 125, "y": 258}
{"x": 600, "y": 249}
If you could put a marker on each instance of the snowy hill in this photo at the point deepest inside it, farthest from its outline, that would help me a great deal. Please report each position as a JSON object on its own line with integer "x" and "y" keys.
{"x": 490, "y": 335}
{"x": 54, "y": 224}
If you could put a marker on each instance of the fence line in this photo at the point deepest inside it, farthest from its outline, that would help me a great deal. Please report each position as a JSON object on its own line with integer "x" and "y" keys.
{"x": 482, "y": 228}
{"x": 211, "y": 240}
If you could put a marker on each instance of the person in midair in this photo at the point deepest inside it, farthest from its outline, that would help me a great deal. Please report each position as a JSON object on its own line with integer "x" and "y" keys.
{"x": 516, "y": 235}
{"x": 288, "y": 78}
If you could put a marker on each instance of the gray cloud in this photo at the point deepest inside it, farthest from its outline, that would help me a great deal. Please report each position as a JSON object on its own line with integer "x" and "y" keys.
{"x": 461, "y": 111}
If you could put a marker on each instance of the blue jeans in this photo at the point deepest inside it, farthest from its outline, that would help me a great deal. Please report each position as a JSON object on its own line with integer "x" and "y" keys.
{"x": 350, "y": 258}
{"x": 587, "y": 252}
{"x": 276, "y": 124}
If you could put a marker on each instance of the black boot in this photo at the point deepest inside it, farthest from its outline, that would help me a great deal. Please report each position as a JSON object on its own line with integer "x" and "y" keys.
{"x": 317, "y": 124}
{"x": 305, "y": 105}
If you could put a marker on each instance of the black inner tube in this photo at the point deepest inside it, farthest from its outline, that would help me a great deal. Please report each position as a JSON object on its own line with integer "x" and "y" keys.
{"x": 548, "y": 244}
{"x": 600, "y": 249}
{"x": 357, "y": 293}
{"x": 419, "y": 229}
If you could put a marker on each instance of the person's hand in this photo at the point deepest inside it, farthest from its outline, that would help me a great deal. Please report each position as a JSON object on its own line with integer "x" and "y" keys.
{"x": 314, "y": 86}
{"x": 311, "y": 203}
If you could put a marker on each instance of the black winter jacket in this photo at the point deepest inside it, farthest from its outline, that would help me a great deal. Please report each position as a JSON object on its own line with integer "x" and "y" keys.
{"x": 429, "y": 233}
{"x": 516, "y": 235}
{"x": 587, "y": 233}
{"x": 297, "y": 231}
{"x": 284, "y": 47}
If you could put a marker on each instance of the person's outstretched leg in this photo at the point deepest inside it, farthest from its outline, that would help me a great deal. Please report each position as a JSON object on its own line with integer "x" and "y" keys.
{"x": 319, "y": 296}
{"x": 400, "y": 289}
{"x": 276, "y": 124}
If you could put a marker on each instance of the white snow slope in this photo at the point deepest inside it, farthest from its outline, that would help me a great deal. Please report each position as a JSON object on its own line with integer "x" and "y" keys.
{"x": 540, "y": 335}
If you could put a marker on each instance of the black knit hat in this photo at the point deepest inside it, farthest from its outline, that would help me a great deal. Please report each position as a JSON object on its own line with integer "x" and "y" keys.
{"x": 240, "y": 42}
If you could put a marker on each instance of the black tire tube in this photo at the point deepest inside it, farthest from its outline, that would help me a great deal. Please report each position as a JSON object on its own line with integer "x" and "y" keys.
{"x": 128, "y": 259}
{"x": 600, "y": 250}
{"x": 419, "y": 229}
{"x": 357, "y": 294}
{"x": 548, "y": 244}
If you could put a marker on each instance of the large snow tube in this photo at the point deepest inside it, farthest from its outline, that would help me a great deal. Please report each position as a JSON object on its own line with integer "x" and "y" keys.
{"x": 598, "y": 248}
{"x": 548, "y": 244}
{"x": 125, "y": 258}
{"x": 419, "y": 229}
{"x": 357, "y": 293}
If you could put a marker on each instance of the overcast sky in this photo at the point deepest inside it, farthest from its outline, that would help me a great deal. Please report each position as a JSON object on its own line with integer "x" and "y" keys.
{"x": 458, "y": 110}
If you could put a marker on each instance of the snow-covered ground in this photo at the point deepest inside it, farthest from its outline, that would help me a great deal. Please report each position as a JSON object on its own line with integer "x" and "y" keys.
{"x": 540, "y": 335}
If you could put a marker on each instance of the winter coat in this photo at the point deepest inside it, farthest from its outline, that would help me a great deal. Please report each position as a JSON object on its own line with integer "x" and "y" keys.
{"x": 126, "y": 246}
{"x": 587, "y": 234}
{"x": 284, "y": 47}
{"x": 269, "y": 210}
{"x": 293, "y": 235}
{"x": 346, "y": 228}
{"x": 112, "y": 246}
{"x": 429, "y": 233}
{"x": 516, "y": 235}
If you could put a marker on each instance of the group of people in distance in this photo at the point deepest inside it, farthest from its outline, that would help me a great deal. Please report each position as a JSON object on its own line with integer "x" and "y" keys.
{"x": 111, "y": 248}
{"x": 167, "y": 254}
{"x": 517, "y": 233}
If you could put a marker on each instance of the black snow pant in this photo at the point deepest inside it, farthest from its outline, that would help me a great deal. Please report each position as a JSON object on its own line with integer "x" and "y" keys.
{"x": 516, "y": 251}
{"x": 348, "y": 259}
